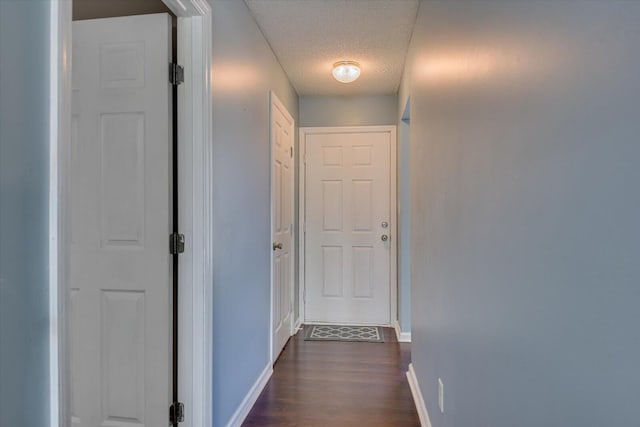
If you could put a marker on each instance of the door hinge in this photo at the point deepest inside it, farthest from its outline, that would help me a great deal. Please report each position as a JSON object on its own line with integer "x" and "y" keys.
{"x": 176, "y": 413}
{"x": 176, "y": 243}
{"x": 176, "y": 74}
{"x": 291, "y": 148}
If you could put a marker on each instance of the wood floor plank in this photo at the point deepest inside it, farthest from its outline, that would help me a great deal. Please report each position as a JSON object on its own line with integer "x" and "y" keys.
{"x": 341, "y": 384}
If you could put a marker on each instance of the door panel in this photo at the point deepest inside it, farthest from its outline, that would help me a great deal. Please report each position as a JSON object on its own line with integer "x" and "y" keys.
{"x": 282, "y": 193}
{"x": 122, "y": 356}
{"x": 120, "y": 201}
{"x": 347, "y": 199}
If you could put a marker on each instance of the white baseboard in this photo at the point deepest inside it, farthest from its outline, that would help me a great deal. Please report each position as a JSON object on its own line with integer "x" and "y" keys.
{"x": 417, "y": 397}
{"x": 298, "y": 326}
{"x": 250, "y": 399}
{"x": 318, "y": 322}
{"x": 402, "y": 336}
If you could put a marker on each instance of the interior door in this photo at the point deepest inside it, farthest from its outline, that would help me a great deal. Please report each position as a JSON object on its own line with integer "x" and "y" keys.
{"x": 347, "y": 215}
{"x": 120, "y": 262}
{"x": 282, "y": 128}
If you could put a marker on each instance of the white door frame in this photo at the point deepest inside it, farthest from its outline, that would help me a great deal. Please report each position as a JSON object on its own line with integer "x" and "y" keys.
{"x": 274, "y": 102}
{"x": 195, "y": 123}
{"x": 393, "y": 229}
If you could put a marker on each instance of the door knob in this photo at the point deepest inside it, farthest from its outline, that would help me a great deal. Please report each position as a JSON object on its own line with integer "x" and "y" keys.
{"x": 384, "y": 238}
{"x": 277, "y": 246}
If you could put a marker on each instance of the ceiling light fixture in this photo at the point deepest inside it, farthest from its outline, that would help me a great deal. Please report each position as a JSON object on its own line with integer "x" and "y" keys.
{"x": 346, "y": 71}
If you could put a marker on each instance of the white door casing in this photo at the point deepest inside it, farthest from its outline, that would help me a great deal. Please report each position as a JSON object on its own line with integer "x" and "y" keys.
{"x": 349, "y": 206}
{"x": 120, "y": 210}
{"x": 195, "y": 170}
{"x": 282, "y": 202}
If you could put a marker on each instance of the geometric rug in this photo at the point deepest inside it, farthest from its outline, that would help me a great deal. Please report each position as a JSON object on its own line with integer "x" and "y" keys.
{"x": 343, "y": 333}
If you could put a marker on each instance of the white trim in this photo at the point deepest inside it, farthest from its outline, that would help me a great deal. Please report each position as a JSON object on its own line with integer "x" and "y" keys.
{"x": 250, "y": 399}
{"x": 195, "y": 180}
{"x": 186, "y": 220}
{"x": 196, "y": 325}
{"x": 302, "y": 229}
{"x": 298, "y": 325}
{"x": 188, "y": 8}
{"x": 402, "y": 336}
{"x": 393, "y": 231}
{"x": 417, "y": 397}
{"x": 274, "y": 101}
{"x": 59, "y": 149}
{"x": 393, "y": 235}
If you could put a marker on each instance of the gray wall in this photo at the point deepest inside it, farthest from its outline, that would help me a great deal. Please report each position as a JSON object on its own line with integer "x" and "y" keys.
{"x": 404, "y": 215}
{"x": 244, "y": 70}
{"x": 24, "y": 181}
{"x": 366, "y": 110}
{"x": 525, "y": 147}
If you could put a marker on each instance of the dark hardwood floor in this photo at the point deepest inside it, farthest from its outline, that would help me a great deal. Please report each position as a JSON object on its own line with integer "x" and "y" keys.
{"x": 338, "y": 384}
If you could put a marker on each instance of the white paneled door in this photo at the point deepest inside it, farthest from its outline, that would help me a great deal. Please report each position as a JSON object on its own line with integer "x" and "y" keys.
{"x": 282, "y": 131}
{"x": 348, "y": 226}
{"x": 120, "y": 262}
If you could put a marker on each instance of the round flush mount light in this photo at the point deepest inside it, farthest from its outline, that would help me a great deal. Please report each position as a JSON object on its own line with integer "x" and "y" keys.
{"x": 346, "y": 71}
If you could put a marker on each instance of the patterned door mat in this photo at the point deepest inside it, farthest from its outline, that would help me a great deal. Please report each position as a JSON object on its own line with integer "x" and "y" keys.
{"x": 343, "y": 333}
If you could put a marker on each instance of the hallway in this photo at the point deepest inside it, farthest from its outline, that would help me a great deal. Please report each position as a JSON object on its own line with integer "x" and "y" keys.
{"x": 517, "y": 158}
{"x": 338, "y": 384}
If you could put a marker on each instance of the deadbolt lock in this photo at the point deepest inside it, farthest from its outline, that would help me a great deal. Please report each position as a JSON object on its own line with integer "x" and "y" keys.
{"x": 384, "y": 224}
{"x": 384, "y": 238}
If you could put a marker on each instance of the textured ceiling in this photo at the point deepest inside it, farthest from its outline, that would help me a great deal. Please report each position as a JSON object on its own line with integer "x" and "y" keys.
{"x": 309, "y": 36}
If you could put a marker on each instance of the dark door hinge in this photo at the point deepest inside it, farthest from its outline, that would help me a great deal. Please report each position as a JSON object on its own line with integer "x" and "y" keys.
{"x": 176, "y": 413}
{"x": 176, "y": 243}
{"x": 176, "y": 74}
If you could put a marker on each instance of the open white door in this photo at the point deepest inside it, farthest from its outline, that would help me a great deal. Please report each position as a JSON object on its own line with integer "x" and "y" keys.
{"x": 282, "y": 128}
{"x": 120, "y": 189}
{"x": 349, "y": 215}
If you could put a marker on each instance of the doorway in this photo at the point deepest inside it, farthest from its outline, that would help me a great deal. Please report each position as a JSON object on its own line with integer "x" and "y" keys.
{"x": 282, "y": 214}
{"x": 348, "y": 218}
{"x": 193, "y": 39}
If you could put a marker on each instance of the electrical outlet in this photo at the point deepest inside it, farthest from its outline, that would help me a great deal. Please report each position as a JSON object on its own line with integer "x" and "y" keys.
{"x": 441, "y": 395}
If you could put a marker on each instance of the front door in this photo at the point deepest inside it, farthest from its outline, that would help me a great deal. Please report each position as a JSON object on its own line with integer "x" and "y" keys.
{"x": 121, "y": 301}
{"x": 282, "y": 223}
{"x": 348, "y": 223}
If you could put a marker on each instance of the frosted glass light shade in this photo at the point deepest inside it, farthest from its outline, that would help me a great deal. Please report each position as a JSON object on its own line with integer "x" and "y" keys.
{"x": 346, "y": 71}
